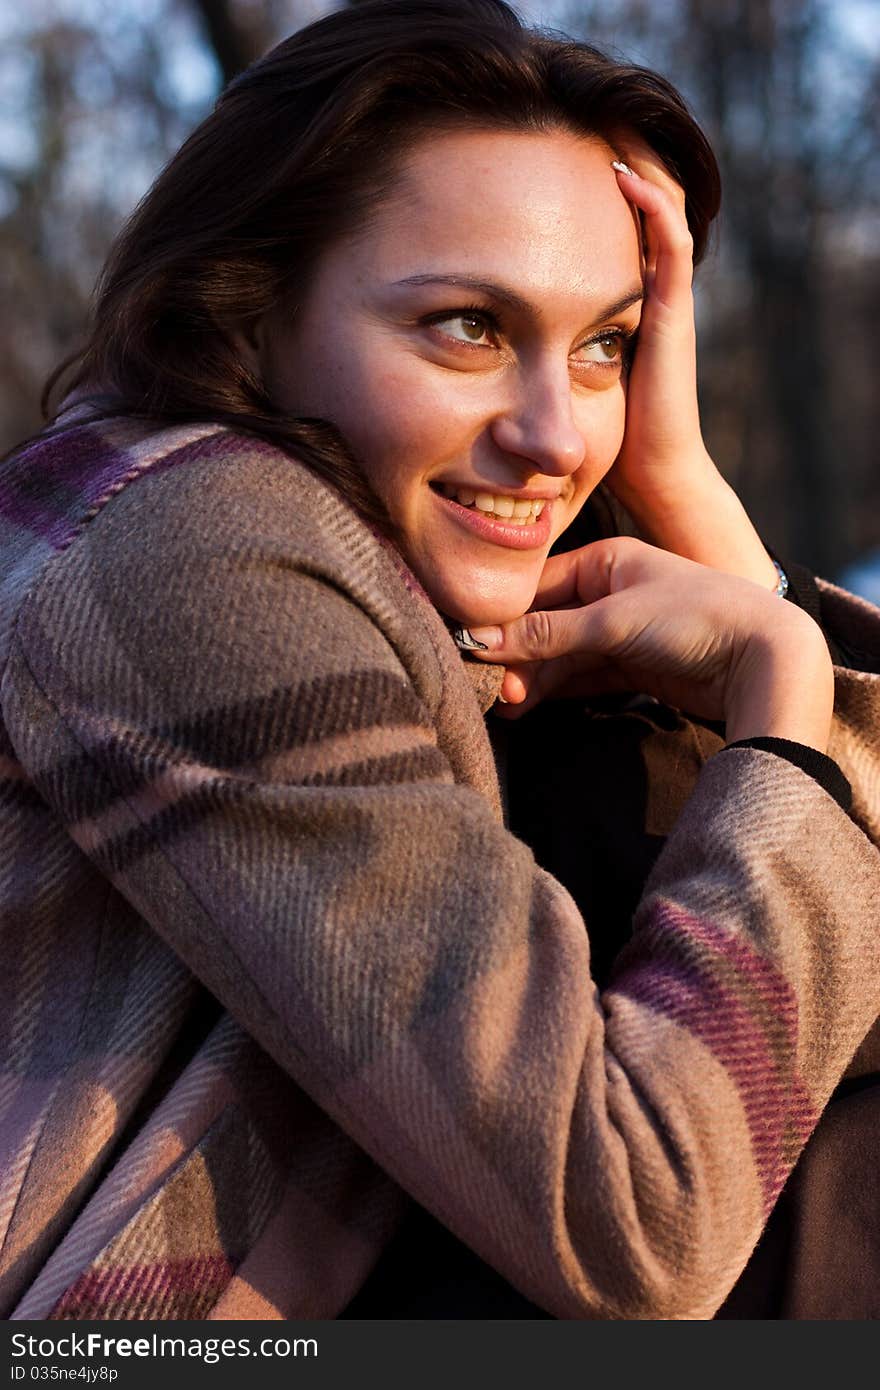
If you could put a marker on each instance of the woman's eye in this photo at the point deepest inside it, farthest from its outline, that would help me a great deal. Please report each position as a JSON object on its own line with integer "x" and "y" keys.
{"x": 465, "y": 328}
{"x": 607, "y": 351}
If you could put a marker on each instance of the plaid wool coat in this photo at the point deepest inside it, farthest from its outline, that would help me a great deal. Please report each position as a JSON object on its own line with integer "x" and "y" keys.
{"x": 274, "y": 966}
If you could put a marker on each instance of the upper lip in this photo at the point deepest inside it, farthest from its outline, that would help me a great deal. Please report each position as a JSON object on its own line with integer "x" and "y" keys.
{"x": 525, "y": 494}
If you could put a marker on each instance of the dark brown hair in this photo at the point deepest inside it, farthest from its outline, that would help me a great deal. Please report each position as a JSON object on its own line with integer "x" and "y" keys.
{"x": 297, "y": 151}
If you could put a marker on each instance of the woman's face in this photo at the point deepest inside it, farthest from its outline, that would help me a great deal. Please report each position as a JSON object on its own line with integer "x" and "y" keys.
{"x": 470, "y": 343}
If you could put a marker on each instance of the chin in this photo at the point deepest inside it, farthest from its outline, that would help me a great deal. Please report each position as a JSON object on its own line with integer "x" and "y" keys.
{"x": 477, "y": 595}
{"x": 491, "y": 615}
{"x": 476, "y": 610}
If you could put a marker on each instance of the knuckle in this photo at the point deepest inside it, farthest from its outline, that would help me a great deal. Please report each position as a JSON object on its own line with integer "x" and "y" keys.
{"x": 536, "y": 631}
{"x": 623, "y": 549}
{"x": 619, "y": 559}
{"x": 674, "y": 193}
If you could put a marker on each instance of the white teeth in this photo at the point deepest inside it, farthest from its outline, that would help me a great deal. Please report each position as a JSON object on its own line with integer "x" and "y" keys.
{"x": 518, "y": 510}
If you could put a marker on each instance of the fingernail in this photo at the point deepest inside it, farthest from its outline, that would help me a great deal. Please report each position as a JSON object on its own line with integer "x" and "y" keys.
{"x": 485, "y": 639}
{"x": 622, "y": 168}
{"x": 501, "y": 700}
{"x": 466, "y": 641}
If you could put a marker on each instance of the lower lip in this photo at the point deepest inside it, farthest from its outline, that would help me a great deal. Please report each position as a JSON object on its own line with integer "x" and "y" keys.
{"x": 532, "y": 536}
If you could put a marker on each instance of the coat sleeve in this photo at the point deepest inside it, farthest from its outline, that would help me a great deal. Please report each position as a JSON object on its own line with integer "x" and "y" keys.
{"x": 229, "y": 735}
{"x": 854, "y": 624}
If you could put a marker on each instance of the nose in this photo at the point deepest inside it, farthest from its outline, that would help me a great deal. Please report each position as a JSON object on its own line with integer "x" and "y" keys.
{"x": 539, "y": 425}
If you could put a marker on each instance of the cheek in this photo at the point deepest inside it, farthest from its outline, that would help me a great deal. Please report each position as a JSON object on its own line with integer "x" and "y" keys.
{"x": 393, "y": 441}
{"x": 616, "y": 420}
{"x": 403, "y": 422}
{"x": 602, "y": 426}
{"x": 371, "y": 409}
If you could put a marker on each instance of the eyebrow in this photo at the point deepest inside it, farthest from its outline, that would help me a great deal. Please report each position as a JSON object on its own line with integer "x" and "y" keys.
{"x": 511, "y": 298}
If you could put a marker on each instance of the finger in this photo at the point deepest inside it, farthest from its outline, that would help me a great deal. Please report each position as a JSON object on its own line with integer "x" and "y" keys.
{"x": 565, "y": 578}
{"x": 668, "y": 241}
{"x": 648, "y": 164}
{"x": 581, "y": 576}
{"x": 523, "y": 687}
{"x": 580, "y": 634}
{"x": 669, "y": 244}
{"x": 557, "y": 680}
{"x": 515, "y": 686}
{"x": 645, "y": 161}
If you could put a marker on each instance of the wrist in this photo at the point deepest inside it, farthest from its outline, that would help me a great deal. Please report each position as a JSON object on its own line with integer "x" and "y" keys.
{"x": 655, "y": 483}
{"x": 783, "y": 687}
{"x": 701, "y": 518}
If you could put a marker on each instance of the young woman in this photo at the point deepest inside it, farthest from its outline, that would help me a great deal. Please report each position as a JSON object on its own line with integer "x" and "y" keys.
{"x": 296, "y": 1023}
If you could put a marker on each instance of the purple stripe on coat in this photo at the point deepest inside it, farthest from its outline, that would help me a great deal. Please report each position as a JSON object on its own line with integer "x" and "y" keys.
{"x": 47, "y": 486}
{"x": 181, "y": 1288}
{"x": 764, "y": 979}
{"x": 57, "y": 484}
{"x": 757, "y": 1047}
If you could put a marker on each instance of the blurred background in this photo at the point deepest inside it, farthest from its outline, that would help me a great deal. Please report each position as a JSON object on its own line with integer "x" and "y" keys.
{"x": 96, "y": 94}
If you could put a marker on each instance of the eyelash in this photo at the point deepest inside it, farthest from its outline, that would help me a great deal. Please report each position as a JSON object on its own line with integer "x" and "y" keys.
{"x": 627, "y": 337}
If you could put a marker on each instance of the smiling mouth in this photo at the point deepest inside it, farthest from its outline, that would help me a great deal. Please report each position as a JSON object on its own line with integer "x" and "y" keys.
{"x": 494, "y": 506}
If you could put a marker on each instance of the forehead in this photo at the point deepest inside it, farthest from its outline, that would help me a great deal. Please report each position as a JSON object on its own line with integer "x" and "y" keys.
{"x": 539, "y": 211}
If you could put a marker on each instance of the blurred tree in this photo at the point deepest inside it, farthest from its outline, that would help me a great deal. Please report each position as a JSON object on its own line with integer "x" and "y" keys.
{"x": 763, "y": 103}
{"x": 93, "y": 100}
{"x": 789, "y": 305}
{"x": 237, "y": 34}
